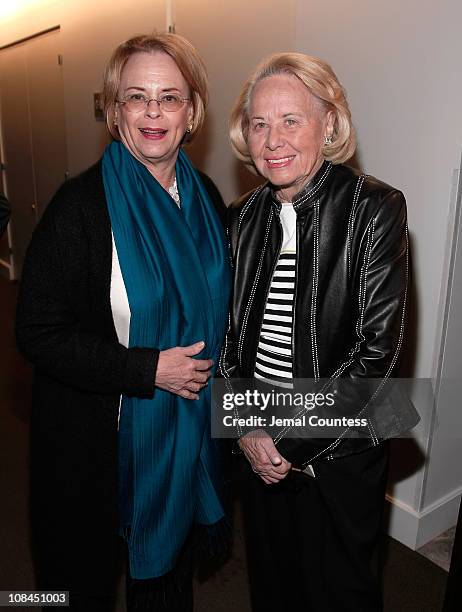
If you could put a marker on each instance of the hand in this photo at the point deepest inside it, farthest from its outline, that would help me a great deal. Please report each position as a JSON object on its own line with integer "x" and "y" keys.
{"x": 263, "y": 456}
{"x": 179, "y": 373}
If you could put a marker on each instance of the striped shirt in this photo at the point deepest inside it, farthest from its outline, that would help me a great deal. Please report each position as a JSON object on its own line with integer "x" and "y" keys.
{"x": 274, "y": 352}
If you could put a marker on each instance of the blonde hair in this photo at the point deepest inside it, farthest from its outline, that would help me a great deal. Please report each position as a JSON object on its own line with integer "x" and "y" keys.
{"x": 320, "y": 80}
{"x": 186, "y": 58}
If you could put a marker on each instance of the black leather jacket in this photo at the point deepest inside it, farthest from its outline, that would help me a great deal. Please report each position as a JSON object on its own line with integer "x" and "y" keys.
{"x": 350, "y": 291}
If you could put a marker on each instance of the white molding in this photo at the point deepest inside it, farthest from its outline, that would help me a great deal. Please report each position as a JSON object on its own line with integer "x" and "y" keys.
{"x": 413, "y": 528}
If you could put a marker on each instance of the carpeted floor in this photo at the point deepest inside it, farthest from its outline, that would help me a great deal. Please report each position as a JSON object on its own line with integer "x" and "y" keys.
{"x": 411, "y": 582}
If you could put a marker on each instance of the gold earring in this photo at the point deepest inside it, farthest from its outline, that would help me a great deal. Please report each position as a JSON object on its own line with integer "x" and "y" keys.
{"x": 189, "y": 128}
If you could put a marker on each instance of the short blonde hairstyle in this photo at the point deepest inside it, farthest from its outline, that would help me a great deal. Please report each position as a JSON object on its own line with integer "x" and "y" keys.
{"x": 186, "y": 58}
{"x": 319, "y": 78}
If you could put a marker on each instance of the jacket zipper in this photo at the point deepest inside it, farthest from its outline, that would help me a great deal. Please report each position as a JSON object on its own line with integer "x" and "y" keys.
{"x": 268, "y": 290}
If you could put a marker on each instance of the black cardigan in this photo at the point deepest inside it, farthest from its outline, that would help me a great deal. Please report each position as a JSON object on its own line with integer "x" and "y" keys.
{"x": 65, "y": 328}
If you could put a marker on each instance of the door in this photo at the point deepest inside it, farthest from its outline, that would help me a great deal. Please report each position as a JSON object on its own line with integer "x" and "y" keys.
{"x": 17, "y": 154}
{"x": 33, "y": 129}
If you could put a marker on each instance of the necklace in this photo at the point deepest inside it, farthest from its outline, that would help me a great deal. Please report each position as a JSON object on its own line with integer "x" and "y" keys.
{"x": 173, "y": 191}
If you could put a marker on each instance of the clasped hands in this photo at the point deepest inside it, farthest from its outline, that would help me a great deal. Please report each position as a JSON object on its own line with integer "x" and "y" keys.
{"x": 179, "y": 373}
{"x": 263, "y": 456}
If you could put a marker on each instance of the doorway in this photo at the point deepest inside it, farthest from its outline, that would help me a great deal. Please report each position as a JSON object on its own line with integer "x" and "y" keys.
{"x": 34, "y": 155}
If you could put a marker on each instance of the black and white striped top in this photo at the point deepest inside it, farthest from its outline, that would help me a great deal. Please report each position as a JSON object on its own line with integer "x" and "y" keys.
{"x": 274, "y": 352}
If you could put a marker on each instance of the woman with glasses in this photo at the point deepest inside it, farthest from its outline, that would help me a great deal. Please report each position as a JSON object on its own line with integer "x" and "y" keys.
{"x": 122, "y": 310}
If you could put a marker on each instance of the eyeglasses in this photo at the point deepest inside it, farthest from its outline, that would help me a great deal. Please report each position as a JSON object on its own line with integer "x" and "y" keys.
{"x": 168, "y": 102}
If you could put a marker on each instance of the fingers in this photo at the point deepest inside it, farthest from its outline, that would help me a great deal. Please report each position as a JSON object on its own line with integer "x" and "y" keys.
{"x": 268, "y": 448}
{"x": 193, "y": 349}
{"x": 194, "y": 386}
{"x": 187, "y": 394}
{"x": 269, "y": 481}
{"x": 271, "y": 477}
{"x": 201, "y": 377}
{"x": 202, "y": 364}
{"x": 272, "y": 453}
{"x": 177, "y": 372}
{"x": 263, "y": 456}
{"x": 188, "y": 391}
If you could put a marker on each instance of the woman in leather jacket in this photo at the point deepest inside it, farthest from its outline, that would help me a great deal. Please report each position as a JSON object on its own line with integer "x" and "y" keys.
{"x": 320, "y": 255}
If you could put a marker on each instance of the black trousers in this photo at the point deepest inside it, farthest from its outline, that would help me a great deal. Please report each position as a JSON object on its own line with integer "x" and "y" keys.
{"x": 312, "y": 542}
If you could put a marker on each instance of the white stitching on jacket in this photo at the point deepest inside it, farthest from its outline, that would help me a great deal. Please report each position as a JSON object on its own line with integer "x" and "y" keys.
{"x": 374, "y": 437}
{"x": 395, "y": 356}
{"x": 223, "y": 353}
{"x": 351, "y": 220}
{"x": 316, "y": 187}
{"x": 314, "y": 293}
{"x": 401, "y": 327}
{"x": 225, "y": 373}
{"x": 222, "y": 360}
{"x": 252, "y": 292}
{"x": 362, "y": 301}
{"x": 247, "y": 206}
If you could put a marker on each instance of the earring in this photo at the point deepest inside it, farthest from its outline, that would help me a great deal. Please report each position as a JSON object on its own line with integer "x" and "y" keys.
{"x": 328, "y": 140}
{"x": 189, "y": 128}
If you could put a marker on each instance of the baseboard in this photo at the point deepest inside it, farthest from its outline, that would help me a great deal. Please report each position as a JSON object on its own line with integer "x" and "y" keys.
{"x": 413, "y": 528}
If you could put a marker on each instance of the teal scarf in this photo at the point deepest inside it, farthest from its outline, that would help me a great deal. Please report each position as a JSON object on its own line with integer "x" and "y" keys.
{"x": 175, "y": 268}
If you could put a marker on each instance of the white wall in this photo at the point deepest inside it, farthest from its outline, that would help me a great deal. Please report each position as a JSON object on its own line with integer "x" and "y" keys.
{"x": 398, "y": 61}
{"x": 232, "y": 37}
